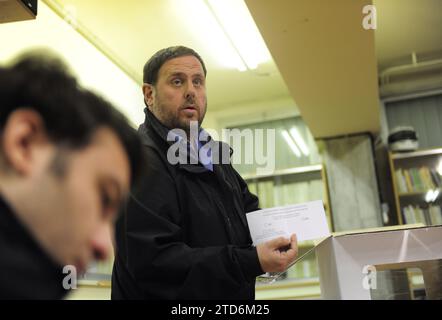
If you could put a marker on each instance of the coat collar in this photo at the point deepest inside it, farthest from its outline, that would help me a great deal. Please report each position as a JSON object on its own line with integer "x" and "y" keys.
{"x": 152, "y": 124}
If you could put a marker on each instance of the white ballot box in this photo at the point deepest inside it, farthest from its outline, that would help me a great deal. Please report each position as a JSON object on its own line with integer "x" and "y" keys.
{"x": 350, "y": 264}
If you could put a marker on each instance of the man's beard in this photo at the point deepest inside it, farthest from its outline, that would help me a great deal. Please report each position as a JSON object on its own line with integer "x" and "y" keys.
{"x": 173, "y": 120}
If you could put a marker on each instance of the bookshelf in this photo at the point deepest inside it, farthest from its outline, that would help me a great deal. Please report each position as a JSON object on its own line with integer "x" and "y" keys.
{"x": 417, "y": 186}
{"x": 293, "y": 186}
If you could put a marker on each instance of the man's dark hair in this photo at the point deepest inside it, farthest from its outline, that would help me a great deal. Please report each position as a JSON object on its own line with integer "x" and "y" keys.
{"x": 71, "y": 114}
{"x": 153, "y": 65}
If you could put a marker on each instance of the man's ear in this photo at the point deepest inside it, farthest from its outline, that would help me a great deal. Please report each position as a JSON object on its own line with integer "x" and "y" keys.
{"x": 148, "y": 92}
{"x": 23, "y": 132}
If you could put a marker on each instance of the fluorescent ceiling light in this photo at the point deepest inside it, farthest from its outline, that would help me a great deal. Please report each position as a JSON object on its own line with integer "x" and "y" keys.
{"x": 238, "y": 26}
{"x": 291, "y": 144}
{"x": 208, "y": 33}
{"x": 299, "y": 141}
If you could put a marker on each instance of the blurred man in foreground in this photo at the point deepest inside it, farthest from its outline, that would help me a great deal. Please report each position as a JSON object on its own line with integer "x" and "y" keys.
{"x": 67, "y": 161}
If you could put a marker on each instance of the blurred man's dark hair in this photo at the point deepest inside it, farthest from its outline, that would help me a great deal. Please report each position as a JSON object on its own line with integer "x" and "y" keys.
{"x": 71, "y": 114}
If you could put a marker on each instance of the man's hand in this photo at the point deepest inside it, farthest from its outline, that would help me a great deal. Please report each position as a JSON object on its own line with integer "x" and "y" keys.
{"x": 276, "y": 255}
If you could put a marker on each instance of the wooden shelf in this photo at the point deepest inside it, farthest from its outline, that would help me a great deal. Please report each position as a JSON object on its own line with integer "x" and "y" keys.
{"x": 415, "y": 193}
{"x": 288, "y": 283}
{"x": 412, "y": 194}
{"x": 289, "y": 289}
{"x": 94, "y": 283}
{"x": 285, "y": 172}
{"x": 419, "y": 153}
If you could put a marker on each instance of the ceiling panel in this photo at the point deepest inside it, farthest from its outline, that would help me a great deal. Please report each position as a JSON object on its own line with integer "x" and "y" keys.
{"x": 328, "y": 64}
{"x": 327, "y": 60}
{"x": 133, "y": 30}
{"x": 406, "y": 26}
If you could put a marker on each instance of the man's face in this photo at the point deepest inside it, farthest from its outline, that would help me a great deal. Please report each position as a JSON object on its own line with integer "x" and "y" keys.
{"x": 75, "y": 210}
{"x": 179, "y": 95}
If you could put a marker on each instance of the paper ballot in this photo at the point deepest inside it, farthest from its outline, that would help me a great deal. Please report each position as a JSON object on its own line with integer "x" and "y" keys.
{"x": 307, "y": 220}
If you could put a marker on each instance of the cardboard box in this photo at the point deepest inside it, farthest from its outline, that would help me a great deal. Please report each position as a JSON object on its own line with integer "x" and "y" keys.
{"x": 347, "y": 261}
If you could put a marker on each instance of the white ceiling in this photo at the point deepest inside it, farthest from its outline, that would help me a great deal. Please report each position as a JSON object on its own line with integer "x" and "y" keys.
{"x": 327, "y": 60}
{"x": 131, "y": 31}
{"x": 330, "y": 63}
{"x": 405, "y": 26}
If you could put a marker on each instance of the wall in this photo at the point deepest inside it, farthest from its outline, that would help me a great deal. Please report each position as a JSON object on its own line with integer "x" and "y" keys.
{"x": 92, "y": 68}
{"x": 424, "y": 114}
{"x": 249, "y": 112}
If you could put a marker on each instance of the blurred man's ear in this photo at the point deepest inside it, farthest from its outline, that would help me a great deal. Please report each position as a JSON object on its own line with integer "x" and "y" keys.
{"x": 23, "y": 133}
{"x": 148, "y": 92}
